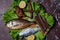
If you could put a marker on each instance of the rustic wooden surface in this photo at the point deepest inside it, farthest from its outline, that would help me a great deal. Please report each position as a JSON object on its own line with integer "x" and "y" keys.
{"x": 52, "y": 6}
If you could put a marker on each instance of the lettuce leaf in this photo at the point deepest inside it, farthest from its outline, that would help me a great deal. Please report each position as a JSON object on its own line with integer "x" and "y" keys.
{"x": 37, "y": 7}
{"x": 33, "y": 5}
{"x": 50, "y": 20}
{"x": 9, "y": 15}
{"x": 15, "y": 3}
{"x": 27, "y": 14}
{"x": 39, "y": 35}
{"x": 14, "y": 34}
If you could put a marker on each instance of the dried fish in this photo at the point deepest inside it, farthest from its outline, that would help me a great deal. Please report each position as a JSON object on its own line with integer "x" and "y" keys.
{"x": 28, "y": 31}
{"x": 18, "y": 24}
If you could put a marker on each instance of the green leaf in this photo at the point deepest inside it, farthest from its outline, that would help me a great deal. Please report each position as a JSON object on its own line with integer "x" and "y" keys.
{"x": 9, "y": 15}
{"x": 33, "y": 5}
{"x": 27, "y": 8}
{"x": 27, "y": 14}
{"x": 46, "y": 15}
{"x": 15, "y": 3}
{"x": 26, "y": 1}
{"x": 42, "y": 13}
{"x": 14, "y": 33}
{"x": 34, "y": 14}
{"x": 50, "y": 20}
{"x": 39, "y": 35}
{"x": 37, "y": 7}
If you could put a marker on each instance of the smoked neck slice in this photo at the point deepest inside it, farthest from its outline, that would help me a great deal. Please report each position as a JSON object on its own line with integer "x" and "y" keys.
{"x": 19, "y": 12}
{"x": 41, "y": 22}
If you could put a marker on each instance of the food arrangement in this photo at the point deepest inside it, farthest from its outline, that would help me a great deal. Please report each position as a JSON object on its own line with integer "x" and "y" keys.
{"x": 28, "y": 20}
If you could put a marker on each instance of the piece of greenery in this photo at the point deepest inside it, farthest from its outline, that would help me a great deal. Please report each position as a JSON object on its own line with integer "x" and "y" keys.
{"x": 14, "y": 34}
{"x": 27, "y": 14}
{"x": 39, "y": 35}
{"x": 33, "y": 5}
{"x": 26, "y": 8}
{"x": 15, "y": 3}
{"x": 34, "y": 14}
{"x": 9, "y": 15}
{"x": 50, "y": 20}
{"x": 37, "y": 7}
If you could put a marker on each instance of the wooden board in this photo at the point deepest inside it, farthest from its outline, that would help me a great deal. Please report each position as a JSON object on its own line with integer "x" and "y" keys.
{"x": 51, "y": 6}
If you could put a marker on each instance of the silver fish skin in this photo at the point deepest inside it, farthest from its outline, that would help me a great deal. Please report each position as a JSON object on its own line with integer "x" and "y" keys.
{"x": 28, "y": 31}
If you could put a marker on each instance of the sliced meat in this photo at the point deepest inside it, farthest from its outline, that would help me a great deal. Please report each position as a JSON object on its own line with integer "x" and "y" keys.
{"x": 41, "y": 22}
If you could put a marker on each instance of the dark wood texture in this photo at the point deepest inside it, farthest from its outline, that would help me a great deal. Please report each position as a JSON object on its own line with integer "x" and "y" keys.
{"x": 51, "y": 6}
